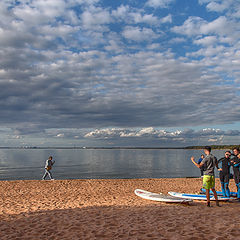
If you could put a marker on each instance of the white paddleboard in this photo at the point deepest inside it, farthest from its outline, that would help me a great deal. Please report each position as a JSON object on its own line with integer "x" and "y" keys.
{"x": 159, "y": 197}
{"x": 196, "y": 196}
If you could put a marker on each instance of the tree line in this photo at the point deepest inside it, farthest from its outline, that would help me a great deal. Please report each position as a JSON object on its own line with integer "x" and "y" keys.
{"x": 216, "y": 147}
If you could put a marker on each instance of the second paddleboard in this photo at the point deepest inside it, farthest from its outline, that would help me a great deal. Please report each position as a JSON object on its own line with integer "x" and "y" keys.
{"x": 196, "y": 196}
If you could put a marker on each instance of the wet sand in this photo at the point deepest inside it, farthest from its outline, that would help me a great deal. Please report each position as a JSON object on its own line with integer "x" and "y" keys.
{"x": 109, "y": 209}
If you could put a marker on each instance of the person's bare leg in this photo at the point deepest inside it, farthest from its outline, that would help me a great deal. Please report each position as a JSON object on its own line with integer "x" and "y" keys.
{"x": 215, "y": 196}
{"x": 208, "y": 197}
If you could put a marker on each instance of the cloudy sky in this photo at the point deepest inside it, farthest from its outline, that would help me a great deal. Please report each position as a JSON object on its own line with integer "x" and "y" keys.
{"x": 119, "y": 73}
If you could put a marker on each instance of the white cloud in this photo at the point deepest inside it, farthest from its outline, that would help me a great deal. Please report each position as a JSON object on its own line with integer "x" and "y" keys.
{"x": 121, "y": 12}
{"x": 214, "y": 6}
{"x": 219, "y": 26}
{"x": 135, "y": 16}
{"x": 159, "y": 3}
{"x": 190, "y": 27}
{"x": 236, "y": 14}
{"x": 60, "y": 135}
{"x": 39, "y": 11}
{"x": 146, "y": 131}
{"x": 187, "y": 136}
{"x": 139, "y": 34}
{"x": 209, "y": 131}
{"x": 209, "y": 40}
{"x": 167, "y": 19}
{"x": 217, "y": 5}
{"x": 178, "y": 40}
{"x": 95, "y": 16}
{"x": 58, "y": 31}
{"x": 122, "y": 133}
{"x": 153, "y": 46}
{"x": 103, "y": 133}
{"x": 197, "y": 26}
{"x": 208, "y": 51}
{"x": 115, "y": 46}
{"x": 146, "y": 18}
{"x": 213, "y": 140}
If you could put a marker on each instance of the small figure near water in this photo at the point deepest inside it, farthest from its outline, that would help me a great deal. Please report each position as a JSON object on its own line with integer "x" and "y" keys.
{"x": 209, "y": 163}
{"x": 224, "y": 173}
{"x": 199, "y": 161}
{"x": 48, "y": 167}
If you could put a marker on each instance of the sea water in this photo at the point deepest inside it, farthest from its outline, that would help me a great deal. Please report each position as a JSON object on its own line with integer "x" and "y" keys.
{"x": 25, "y": 164}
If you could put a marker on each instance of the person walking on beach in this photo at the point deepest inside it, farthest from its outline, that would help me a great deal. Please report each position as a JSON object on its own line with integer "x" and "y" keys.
{"x": 224, "y": 173}
{"x": 209, "y": 163}
{"x": 235, "y": 163}
{"x": 199, "y": 161}
{"x": 48, "y": 167}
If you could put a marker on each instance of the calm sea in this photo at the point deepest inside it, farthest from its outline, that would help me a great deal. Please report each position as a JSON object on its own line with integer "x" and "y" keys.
{"x": 24, "y": 164}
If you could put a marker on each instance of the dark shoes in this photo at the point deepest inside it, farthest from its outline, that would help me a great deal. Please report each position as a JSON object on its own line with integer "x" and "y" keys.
{"x": 217, "y": 204}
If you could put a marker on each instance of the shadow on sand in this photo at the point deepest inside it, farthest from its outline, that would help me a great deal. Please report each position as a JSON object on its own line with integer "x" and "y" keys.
{"x": 123, "y": 222}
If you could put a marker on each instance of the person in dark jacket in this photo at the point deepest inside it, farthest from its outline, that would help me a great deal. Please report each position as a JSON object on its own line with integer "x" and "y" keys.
{"x": 235, "y": 163}
{"x": 224, "y": 173}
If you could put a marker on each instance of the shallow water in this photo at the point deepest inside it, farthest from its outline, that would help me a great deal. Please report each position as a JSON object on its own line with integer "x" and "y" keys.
{"x": 24, "y": 164}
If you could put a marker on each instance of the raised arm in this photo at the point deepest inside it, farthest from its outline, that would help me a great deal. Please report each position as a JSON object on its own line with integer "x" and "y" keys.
{"x": 196, "y": 164}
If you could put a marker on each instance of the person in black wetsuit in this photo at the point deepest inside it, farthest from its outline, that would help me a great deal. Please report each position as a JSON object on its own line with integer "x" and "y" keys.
{"x": 224, "y": 173}
{"x": 235, "y": 163}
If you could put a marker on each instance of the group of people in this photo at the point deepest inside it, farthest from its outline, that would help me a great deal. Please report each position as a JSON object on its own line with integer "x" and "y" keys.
{"x": 207, "y": 165}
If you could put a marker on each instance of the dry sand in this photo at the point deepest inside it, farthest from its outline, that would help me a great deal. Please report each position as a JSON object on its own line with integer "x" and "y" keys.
{"x": 109, "y": 209}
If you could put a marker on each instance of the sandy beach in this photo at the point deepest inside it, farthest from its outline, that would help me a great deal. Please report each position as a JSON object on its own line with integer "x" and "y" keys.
{"x": 109, "y": 209}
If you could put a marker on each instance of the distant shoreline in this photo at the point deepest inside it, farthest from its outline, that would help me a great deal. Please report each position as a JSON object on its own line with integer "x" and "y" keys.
{"x": 92, "y": 148}
{"x": 216, "y": 147}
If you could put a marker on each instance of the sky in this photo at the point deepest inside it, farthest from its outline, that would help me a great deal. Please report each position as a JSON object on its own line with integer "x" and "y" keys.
{"x": 119, "y": 73}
